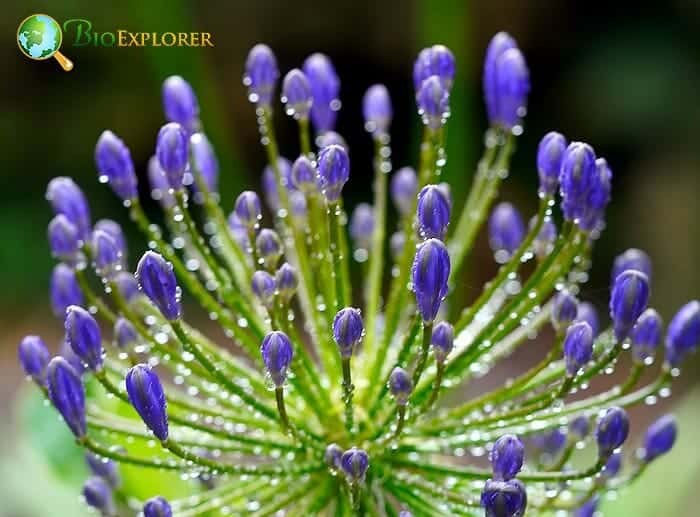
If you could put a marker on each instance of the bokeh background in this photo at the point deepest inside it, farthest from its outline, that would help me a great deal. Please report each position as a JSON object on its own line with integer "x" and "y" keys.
{"x": 624, "y": 79}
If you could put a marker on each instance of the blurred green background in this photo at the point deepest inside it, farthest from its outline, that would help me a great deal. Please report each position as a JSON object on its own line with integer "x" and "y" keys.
{"x": 624, "y": 79}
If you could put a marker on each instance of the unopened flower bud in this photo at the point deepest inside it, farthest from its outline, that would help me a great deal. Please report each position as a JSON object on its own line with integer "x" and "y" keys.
{"x": 67, "y": 394}
{"x": 397, "y": 242}
{"x": 98, "y": 494}
{"x": 333, "y": 171}
{"x": 564, "y": 309}
{"x": 63, "y": 238}
{"x": 84, "y": 337}
{"x": 438, "y": 61}
{"x": 127, "y": 285}
{"x": 442, "y": 341}
{"x": 507, "y": 457}
{"x": 355, "y": 463}
{"x": 362, "y": 226}
{"x": 683, "y": 335}
{"x": 261, "y": 74}
{"x": 506, "y": 231}
{"x": 433, "y": 100}
{"x": 612, "y": 430}
{"x": 376, "y": 108}
{"x": 269, "y": 247}
{"x": 180, "y": 103}
{"x": 400, "y": 385}
{"x": 631, "y": 259}
{"x": 504, "y": 498}
{"x": 544, "y": 241}
{"x": 277, "y": 355}
{"x": 578, "y": 174}
{"x": 172, "y": 150}
{"x": 64, "y": 290}
{"x": 263, "y": 284}
{"x": 578, "y": 346}
{"x": 549, "y": 158}
{"x": 433, "y": 212}
{"x": 114, "y": 230}
{"x": 325, "y": 88}
{"x": 287, "y": 280}
{"x": 580, "y": 427}
{"x": 146, "y": 395}
{"x": 629, "y": 298}
{"x": 115, "y": 166}
{"x": 157, "y": 507}
{"x": 204, "y": 161}
{"x": 404, "y": 186}
{"x": 157, "y": 281}
{"x": 333, "y": 455}
{"x": 660, "y": 437}
{"x": 107, "y": 256}
{"x": 125, "y": 335}
{"x": 247, "y": 208}
{"x": 34, "y": 358}
{"x": 430, "y": 272}
{"x": 588, "y": 313}
{"x": 296, "y": 94}
{"x": 103, "y": 468}
{"x": 646, "y": 335}
{"x": 348, "y": 329}
{"x": 66, "y": 198}
{"x": 304, "y": 175}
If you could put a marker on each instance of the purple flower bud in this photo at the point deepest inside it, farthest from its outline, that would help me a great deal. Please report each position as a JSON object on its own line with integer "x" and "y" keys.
{"x": 277, "y": 353}
{"x": 550, "y": 443}
{"x": 325, "y": 87}
{"x": 64, "y": 289}
{"x": 629, "y": 298}
{"x": 437, "y": 60}
{"x": 66, "y": 198}
{"x": 580, "y": 427}
{"x": 238, "y": 231}
{"x": 172, "y": 152}
{"x": 269, "y": 247}
{"x": 564, "y": 309}
{"x": 146, "y": 395}
{"x": 204, "y": 161}
{"x": 67, "y": 394}
{"x": 433, "y": 100}
{"x": 98, "y": 494}
{"x": 507, "y": 457}
{"x": 597, "y": 199}
{"x": 362, "y": 225}
{"x": 396, "y": 245}
{"x": 512, "y": 87}
{"x": 631, "y": 259}
{"x": 348, "y": 329}
{"x": 400, "y": 385}
{"x": 404, "y": 186}
{"x": 127, "y": 286}
{"x": 578, "y": 174}
{"x": 506, "y": 231}
{"x": 157, "y": 281}
{"x": 103, "y": 468}
{"x": 297, "y": 207}
{"x": 67, "y": 353}
{"x": 430, "y": 272}
{"x": 612, "y": 430}
{"x": 107, "y": 256}
{"x": 442, "y": 341}
{"x": 125, "y": 335}
{"x": 304, "y": 175}
{"x": 333, "y": 171}
{"x": 157, "y": 507}
{"x": 114, "y": 230}
{"x": 248, "y": 209}
{"x": 160, "y": 188}
{"x": 646, "y": 335}
{"x": 269, "y": 182}
{"x": 63, "y": 238}
{"x": 660, "y": 437}
{"x": 263, "y": 284}
{"x": 544, "y": 241}
{"x": 34, "y": 357}
{"x": 331, "y": 138}
{"x": 287, "y": 281}
{"x": 333, "y": 456}
{"x": 261, "y": 74}
{"x": 504, "y": 498}
{"x": 613, "y": 465}
{"x": 549, "y": 158}
{"x": 501, "y": 42}
{"x": 683, "y": 335}
{"x": 83, "y": 336}
{"x": 433, "y": 212}
{"x": 114, "y": 165}
{"x": 587, "y": 509}
{"x": 377, "y": 110}
{"x": 355, "y": 463}
{"x": 180, "y": 103}
{"x": 588, "y": 313}
{"x": 296, "y": 94}
{"x": 578, "y": 346}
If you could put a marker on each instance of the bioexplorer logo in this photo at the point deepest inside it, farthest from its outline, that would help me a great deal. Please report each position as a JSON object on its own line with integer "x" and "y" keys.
{"x": 40, "y": 37}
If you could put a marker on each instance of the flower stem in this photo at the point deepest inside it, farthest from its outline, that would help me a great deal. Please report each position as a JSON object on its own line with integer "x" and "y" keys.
{"x": 425, "y": 347}
{"x": 348, "y": 389}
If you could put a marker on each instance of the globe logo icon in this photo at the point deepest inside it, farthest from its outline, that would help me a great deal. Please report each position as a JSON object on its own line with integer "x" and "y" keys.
{"x": 39, "y": 37}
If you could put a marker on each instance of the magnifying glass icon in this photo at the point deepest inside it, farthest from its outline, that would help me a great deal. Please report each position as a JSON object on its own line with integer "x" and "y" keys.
{"x": 39, "y": 38}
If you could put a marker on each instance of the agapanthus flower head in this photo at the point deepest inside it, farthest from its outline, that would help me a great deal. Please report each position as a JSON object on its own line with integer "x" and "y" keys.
{"x": 442, "y": 340}
{"x": 304, "y": 176}
{"x": 404, "y": 186}
{"x": 433, "y": 100}
{"x": 504, "y": 498}
{"x": 348, "y": 330}
{"x": 578, "y": 346}
{"x": 325, "y": 90}
{"x": 64, "y": 289}
{"x": 248, "y": 209}
{"x": 34, "y": 358}
{"x": 501, "y": 42}
{"x": 264, "y": 286}
{"x": 103, "y": 468}
{"x": 277, "y": 353}
{"x": 157, "y": 281}
{"x": 66, "y": 198}
{"x": 632, "y": 258}
{"x": 287, "y": 281}
{"x": 180, "y": 103}
{"x": 146, "y": 395}
{"x": 507, "y": 456}
{"x": 612, "y": 430}
{"x": 63, "y": 238}
{"x": 433, "y": 212}
{"x": 157, "y": 507}
{"x": 362, "y": 225}
{"x": 98, "y": 494}
{"x": 550, "y": 154}
{"x": 506, "y": 231}
{"x": 261, "y": 75}
{"x": 400, "y": 385}
{"x": 629, "y": 297}
{"x": 204, "y": 161}
{"x": 588, "y": 313}
{"x": 683, "y": 334}
{"x": 296, "y": 94}
{"x": 107, "y": 255}
{"x": 430, "y": 272}
{"x": 333, "y": 455}
{"x": 564, "y": 309}
{"x": 660, "y": 437}
{"x": 172, "y": 151}
{"x": 355, "y": 463}
{"x": 333, "y": 171}
{"x": 84, "y": 337}
{"x": 125, "y": 334}
{"x": 67, "y": 394}
{"x": 377, "y": 110}
{"x": 580, "y": 426}
{"x": 437, "y": 60}
{"x": 269, "y": 248}
{"x": 544, "y": 241}
{"x": 578, "y": 174}
{"x": 646, "y": 335}
{"x": 115, "y": 166}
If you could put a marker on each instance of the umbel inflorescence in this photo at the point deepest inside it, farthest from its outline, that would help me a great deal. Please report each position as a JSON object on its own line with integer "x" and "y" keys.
{"x": 327, "y": 397}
